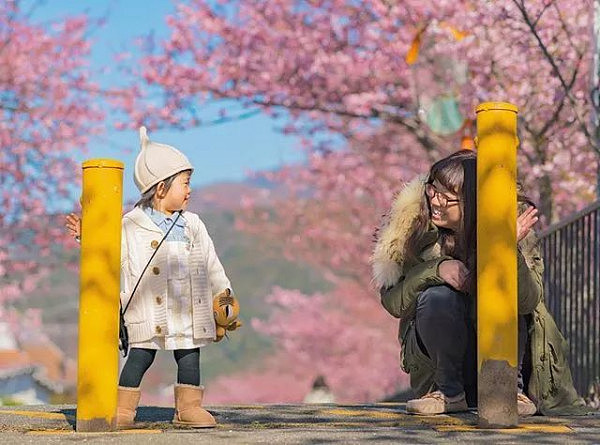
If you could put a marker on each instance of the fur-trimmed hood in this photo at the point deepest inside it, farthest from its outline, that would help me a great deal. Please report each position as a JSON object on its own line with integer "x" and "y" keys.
{"x": 388, "y": 256}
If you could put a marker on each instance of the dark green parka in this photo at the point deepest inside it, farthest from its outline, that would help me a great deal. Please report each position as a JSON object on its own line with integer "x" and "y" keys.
{"x": 401, "y": 281}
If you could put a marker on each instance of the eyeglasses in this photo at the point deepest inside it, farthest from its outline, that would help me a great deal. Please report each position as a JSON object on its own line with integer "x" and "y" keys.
{"x": 444, "y": 201}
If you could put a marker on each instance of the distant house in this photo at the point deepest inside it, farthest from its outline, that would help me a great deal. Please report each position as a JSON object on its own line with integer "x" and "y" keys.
{"x": 19, "y": 386}
{"x": 34, "y": 371}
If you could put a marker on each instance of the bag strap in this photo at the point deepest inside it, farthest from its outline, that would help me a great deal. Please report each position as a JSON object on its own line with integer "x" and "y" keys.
{"x": 149, "y": 261}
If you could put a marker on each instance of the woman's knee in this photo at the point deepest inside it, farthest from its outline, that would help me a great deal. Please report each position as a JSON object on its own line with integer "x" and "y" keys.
{"x": 441, "y": 301}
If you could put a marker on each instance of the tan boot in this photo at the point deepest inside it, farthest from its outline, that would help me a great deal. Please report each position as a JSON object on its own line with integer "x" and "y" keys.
{"x": 127, "y": 402}
{"x": 188, "y": 407}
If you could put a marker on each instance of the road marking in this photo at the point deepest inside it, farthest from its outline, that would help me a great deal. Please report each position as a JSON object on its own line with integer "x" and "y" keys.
{"x": 363, "y": 413}
{"x": 39, "y": 414}
{"x": 52, "y": 432}
{"x": 407, "y": 419}
{"x": 527, "y": 428}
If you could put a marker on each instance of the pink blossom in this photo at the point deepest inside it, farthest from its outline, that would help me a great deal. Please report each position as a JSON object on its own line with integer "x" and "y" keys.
{"x": 47, "y": 110}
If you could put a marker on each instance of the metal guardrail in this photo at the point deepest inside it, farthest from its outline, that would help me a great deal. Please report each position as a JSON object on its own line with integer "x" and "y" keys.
{"x": 571, "y": 251}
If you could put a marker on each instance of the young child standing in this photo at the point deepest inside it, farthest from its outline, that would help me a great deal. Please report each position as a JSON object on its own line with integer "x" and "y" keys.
{"x": 171, "y": 308}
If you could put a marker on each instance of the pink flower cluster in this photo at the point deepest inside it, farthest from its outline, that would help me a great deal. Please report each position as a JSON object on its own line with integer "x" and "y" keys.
{"x": 47, "y": 109}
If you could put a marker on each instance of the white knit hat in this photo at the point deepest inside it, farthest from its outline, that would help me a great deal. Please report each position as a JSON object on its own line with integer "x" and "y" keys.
{"x": 156, "y": 162}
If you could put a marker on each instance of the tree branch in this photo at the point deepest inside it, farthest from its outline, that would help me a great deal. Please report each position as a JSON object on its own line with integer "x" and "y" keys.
{"x": 521, "y": 7}
{"x": 558, "y": 109}
{"x": 546, "y": 6}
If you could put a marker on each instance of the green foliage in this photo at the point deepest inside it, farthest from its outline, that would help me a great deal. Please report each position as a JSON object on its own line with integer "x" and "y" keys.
{"x": 8, "y": 401}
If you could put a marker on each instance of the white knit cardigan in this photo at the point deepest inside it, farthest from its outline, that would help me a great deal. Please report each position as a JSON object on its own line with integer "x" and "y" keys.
{"x": 147, "y": 313}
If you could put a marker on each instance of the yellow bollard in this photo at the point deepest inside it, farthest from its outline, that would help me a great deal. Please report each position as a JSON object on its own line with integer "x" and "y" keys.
{"x": 98, "y": 363}
{"x": 497, "y": 264}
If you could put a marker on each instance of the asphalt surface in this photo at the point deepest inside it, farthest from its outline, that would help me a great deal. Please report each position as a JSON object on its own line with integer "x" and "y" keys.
{"x": 294, "y": 424}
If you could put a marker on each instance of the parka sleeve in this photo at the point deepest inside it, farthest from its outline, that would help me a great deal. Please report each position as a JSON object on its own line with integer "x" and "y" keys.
{"x": 400, "y": 299}
{"x": 530, "y": 269}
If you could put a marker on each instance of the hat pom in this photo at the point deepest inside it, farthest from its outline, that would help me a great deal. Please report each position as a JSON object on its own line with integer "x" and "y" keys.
{"x": 144, "y": 139}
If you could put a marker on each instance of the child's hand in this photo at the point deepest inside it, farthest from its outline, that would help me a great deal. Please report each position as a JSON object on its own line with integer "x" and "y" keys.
{"x": 73, "y": 225}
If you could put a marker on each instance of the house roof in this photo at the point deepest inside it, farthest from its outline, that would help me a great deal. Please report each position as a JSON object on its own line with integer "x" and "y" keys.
{"x": 13, "y": 359}
{"x": 44, "y": 360}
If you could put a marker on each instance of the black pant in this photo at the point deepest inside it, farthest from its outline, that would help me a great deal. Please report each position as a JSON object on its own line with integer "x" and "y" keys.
{"x": 140, "y": 359}
{"x": 447, "y": 335}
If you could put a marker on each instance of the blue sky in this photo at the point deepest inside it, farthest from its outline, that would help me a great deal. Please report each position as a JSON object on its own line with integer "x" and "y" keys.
{"x": 225, "y": 152}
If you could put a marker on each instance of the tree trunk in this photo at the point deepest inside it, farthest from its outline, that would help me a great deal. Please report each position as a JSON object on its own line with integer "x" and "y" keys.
{"x": 545, "y": 205}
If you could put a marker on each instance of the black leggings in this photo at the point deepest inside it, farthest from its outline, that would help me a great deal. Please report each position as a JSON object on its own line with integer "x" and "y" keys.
{"x": 447, "y": 335}
{"x": 140, "y": 359}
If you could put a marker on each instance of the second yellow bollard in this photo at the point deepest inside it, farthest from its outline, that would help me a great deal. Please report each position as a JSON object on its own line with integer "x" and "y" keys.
{"x": 497, "y": 264}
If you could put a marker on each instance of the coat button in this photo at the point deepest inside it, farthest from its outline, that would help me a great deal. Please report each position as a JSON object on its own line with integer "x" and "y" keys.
{"x": 543, "y": 357}
{"x": 204, "y": 329}
{"x": 156, "y": 270}
{"x": 158, "y": 330}
{"x": 158, "y": 300}
{"x": 154, "y": 244}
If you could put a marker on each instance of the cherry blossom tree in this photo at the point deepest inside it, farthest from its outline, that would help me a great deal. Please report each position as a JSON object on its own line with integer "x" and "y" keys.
{"x": 377, "y": 89}
{"x": 47, "y": 110}
{"x": 345, "y": 334}
{"x": 383, "y": 62}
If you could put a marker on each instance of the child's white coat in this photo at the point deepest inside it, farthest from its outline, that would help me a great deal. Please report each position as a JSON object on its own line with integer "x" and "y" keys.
{"x": 146, "y": 317}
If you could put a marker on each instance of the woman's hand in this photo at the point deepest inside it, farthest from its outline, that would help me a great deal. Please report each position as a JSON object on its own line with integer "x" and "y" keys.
{"x": 455, "y": 273}
{"x": 525, "y": 222}
{"x": 73, "y": 225}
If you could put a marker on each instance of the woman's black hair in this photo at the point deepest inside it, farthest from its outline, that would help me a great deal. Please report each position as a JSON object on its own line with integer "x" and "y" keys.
{"x": 469, "y": 239}
{"x": 458, "y": 174}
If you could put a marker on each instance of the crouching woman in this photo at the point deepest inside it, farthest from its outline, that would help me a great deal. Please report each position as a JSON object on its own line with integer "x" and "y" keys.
{"x": 424, "y": 264}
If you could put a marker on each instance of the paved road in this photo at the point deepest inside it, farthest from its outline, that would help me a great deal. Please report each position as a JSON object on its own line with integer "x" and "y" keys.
{"x": 294, "y": 424}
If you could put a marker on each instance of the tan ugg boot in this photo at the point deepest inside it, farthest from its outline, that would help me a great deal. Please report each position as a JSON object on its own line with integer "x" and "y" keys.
{"x": 188, "y": 407}
{"x": 127, "y": 402}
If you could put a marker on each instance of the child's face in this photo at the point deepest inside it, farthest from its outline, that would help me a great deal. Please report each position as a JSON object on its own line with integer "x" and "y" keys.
{"x": 178, "y": 196}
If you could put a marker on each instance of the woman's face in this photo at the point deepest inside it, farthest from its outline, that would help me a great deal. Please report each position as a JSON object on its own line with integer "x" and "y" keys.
{"x": 445, "y": 209}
